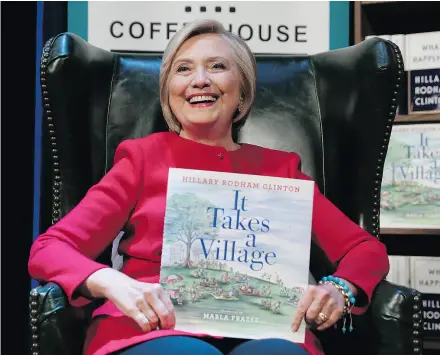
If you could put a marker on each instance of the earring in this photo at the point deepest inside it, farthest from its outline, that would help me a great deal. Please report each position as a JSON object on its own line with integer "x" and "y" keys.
{"x": 241, "y": 104}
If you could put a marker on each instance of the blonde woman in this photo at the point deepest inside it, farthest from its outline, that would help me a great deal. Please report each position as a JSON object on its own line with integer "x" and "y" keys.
{"x": 207, "y": 87}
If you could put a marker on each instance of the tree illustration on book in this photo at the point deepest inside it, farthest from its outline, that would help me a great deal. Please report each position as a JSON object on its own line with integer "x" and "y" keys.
{"x": 187, "y": 221}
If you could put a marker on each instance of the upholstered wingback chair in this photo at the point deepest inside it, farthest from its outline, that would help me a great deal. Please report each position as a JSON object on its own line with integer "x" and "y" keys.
{"x": 335, "y": 109}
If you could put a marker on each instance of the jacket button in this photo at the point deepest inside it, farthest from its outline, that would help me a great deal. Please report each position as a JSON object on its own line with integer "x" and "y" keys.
{"x": 220, "y": 156}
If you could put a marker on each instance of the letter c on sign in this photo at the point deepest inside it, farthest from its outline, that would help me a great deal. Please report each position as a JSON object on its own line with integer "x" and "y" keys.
{"x": 112, "y": 28}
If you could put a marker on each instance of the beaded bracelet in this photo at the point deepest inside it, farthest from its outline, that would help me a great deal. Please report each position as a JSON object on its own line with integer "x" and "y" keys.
{"x": 350, "y": 300}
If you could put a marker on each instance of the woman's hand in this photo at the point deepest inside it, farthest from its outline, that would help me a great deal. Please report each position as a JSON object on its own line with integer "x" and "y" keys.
{"x": 148, "y": 304}
{"x": 322, "y": 305}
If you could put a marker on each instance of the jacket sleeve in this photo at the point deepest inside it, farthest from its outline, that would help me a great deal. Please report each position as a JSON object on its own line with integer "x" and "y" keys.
{"x": 360, "y": 257}
{"x": 65, "y": 253}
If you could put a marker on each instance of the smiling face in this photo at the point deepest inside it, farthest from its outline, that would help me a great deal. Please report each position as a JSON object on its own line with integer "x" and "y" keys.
{"x": 204, "y": 84}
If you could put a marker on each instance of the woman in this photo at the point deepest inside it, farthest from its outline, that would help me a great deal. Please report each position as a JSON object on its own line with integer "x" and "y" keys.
{"x": 207, "y": 86}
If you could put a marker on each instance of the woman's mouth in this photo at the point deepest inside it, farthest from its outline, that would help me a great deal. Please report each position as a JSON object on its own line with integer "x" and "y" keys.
{"x": 202, "y": 100}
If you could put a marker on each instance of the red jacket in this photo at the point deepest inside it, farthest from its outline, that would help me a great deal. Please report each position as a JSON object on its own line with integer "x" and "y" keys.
{"x": 65, "y": 253}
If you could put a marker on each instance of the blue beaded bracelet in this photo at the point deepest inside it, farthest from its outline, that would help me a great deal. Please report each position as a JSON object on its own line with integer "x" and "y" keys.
{"x": 341, "y": 283}
{"x": 348, "y": 295}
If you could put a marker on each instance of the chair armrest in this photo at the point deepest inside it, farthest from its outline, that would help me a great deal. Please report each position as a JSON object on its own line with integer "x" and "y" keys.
{"x": 56, "y": 327}
{"x": 397, "y": 320}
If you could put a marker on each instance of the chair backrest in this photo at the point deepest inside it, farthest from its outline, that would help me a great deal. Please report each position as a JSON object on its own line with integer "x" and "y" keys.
{"x": 335, "y": 109}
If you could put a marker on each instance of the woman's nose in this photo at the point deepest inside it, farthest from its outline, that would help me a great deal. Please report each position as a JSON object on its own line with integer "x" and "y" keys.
{"x": 201, "y": 79}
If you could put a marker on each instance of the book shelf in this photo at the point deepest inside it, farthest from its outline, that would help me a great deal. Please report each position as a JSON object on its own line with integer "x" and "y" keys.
{"x": 379, "y": 18}
{"x": 394, "y": 17}
{"x": 431, "y": 117}
{"x": 397, "y": 17}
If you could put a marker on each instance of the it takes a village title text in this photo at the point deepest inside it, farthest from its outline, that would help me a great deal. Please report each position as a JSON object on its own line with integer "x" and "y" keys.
{"x": 235, "y": 220}
{"x": 234, "y": 217}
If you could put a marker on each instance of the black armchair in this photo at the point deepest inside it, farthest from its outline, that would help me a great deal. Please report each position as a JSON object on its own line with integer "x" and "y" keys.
{"x": 336, "y": 109}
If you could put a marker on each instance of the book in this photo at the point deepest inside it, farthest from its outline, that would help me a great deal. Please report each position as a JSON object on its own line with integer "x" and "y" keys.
{"x": 410, "y": 191}
{"x": 421, "y": 83}
{"x": 425, "y": 277}
{"x": 423, "y": 66}
{"x": 236, "y": 252}
{"x": 425, "y": 274}
{"x": 399, "y": 273}
{"x": 421, "y": 273}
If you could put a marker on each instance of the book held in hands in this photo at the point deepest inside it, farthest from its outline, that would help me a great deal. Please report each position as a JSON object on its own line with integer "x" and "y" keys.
{"x": 236, "y": 252}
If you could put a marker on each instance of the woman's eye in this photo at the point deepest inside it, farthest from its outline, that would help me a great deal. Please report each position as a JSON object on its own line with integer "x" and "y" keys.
{"x": 218, "y": 66}
{"x": 182, "y": 68}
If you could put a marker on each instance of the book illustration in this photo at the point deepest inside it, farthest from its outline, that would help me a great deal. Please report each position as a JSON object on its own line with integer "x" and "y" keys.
{"x": 410, "y": 194}
{"x": 235, "y": 257}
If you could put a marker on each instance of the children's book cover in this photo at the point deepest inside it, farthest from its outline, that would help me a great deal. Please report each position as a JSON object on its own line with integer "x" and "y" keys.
{"x": 236, "y": 252}
{"x": 410, "y": 196}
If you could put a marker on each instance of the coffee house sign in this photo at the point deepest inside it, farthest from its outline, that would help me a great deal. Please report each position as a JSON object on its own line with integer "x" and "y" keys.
{"x": 268, "y": 27}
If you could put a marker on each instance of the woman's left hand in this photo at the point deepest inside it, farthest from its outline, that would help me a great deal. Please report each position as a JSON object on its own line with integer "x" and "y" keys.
{"x": 322, "y": 305}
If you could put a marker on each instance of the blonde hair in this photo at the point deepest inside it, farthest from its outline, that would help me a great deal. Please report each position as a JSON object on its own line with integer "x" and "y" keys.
{"x": 243, "y": 56}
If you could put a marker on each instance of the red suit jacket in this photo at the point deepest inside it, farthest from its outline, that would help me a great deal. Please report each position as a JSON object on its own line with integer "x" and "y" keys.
{"x": 65, "y": 253}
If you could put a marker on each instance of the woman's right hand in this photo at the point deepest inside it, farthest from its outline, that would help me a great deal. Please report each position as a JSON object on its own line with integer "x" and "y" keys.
{"x": 147, "y": 304}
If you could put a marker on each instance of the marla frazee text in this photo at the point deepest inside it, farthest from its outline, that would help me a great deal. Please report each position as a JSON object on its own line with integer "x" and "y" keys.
{"x": 227, "y": 250}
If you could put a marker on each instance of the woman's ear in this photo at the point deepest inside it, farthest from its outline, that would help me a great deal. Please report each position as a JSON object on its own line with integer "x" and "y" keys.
{"x": 241, "y": 104}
